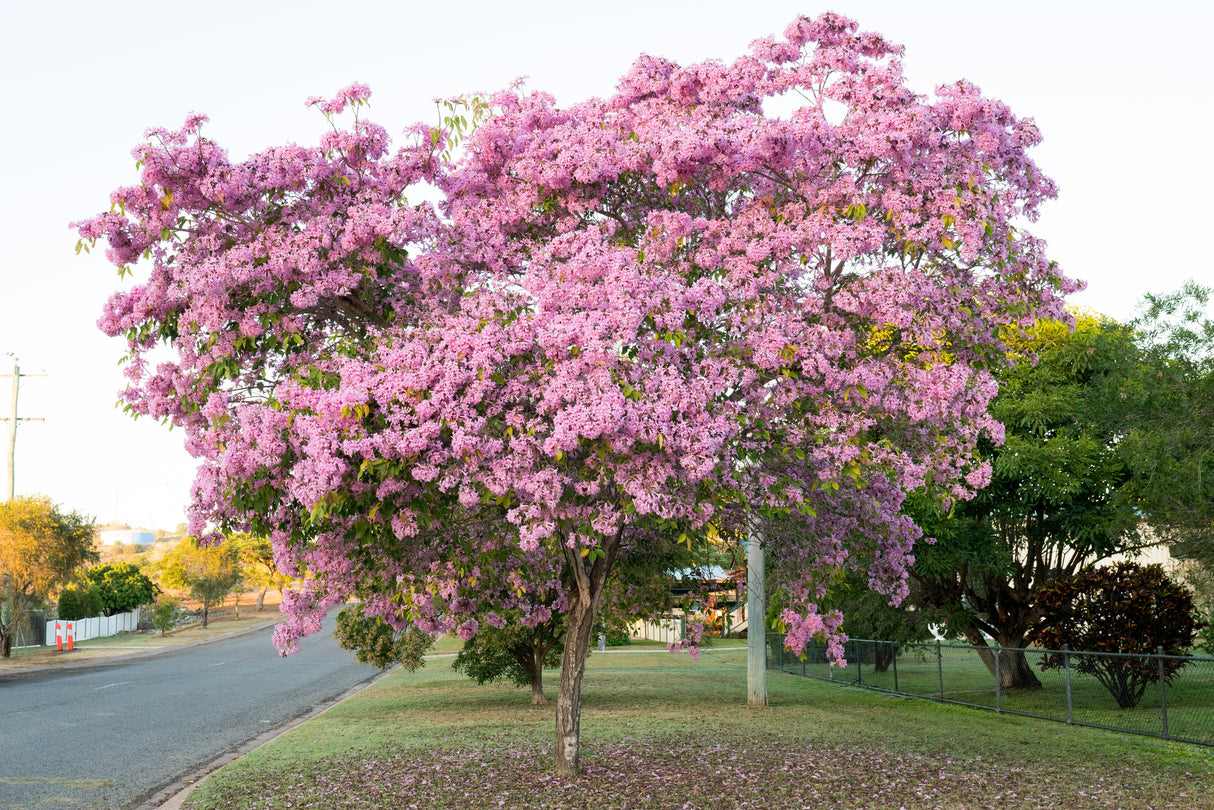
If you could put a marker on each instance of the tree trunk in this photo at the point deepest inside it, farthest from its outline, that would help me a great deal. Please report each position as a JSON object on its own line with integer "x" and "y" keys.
{"x": 538, "y": 652}
{"x": 1015, "y": 672}
{"x": 537, "y": 689}
{"x": 261, "y": 599}
{"x": 6, "y": 644}
{"x": 206, "y": 609}
{"x": 586, "y": 595}
{"x": 883, "y": 656}
{"x": 569, "y": 693}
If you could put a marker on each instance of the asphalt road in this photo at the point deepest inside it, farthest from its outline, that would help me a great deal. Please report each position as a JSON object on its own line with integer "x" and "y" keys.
{"x": 107, "y": 737}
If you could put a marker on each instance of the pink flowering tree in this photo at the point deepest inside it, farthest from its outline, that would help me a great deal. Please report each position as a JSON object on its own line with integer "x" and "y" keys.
{"x": 626, "y": 320}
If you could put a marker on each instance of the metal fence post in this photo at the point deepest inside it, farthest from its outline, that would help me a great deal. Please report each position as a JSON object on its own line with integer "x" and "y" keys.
{"x": 1163, "y": 690}
{"x": 940, "y": 670}
{"x": 998, "y": 691}
{"x": 1066, "y": 663}
{"x": 895, "y": 646}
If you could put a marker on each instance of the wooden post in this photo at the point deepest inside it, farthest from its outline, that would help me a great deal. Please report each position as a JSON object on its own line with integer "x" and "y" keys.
{"x": 756, "y": 632}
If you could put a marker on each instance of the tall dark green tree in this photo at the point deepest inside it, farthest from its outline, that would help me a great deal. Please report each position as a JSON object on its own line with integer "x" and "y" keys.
{"x": 1169, "y": 424}
{"x": 1060, "y": 496}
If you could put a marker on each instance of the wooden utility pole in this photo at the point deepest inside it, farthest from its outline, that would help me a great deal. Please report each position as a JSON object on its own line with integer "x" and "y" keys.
{"x": 13, "y": 419}
{"x": 756, "y": 619}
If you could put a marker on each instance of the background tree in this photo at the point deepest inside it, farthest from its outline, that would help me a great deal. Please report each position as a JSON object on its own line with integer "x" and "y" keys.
{"x": 1168, "y": 422}
{"x": 208, "y": 572}
{"x": 1060, "y": 496}
{"x": 164, "y": 612}
{"x": 375, "y": 641}
{"x": 258, "y": 568}
{"x": 869, "y": 615}
{"x": 622, "y": 317}
{"x": 1122, "y": 608}
{"x": 514, "y": 652}
{"x": 78, "y": 600}
{"x": 41, "y": 547}
{"x": 121, "y": 587}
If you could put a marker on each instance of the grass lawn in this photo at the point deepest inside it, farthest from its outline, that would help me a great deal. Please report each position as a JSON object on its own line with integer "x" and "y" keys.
{"x": 662, "y": 731}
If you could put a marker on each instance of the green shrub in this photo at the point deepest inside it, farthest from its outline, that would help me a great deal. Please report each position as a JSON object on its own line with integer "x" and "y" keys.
{"x": 618, "y": 637}
{"x": 1122, "y": 608}
{"x": 79, "y": 601}
{"x": 1205, "y": 642}
{"x": 164, "y": 613}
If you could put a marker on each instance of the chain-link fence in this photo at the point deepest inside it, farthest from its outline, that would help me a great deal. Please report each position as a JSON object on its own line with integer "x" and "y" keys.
{"x": 1167, "y": 696}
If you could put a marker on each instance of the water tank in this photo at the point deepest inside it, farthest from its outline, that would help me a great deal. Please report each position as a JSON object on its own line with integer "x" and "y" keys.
{"x": 127, "y": 537}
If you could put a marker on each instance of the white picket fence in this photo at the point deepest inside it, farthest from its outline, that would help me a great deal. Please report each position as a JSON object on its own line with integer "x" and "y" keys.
{"x": 668, "y": 629}
{"x": 98, "y": 626}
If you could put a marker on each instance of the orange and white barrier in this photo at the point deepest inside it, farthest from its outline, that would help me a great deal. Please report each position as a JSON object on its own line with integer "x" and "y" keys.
{"x": 65, "y": 631}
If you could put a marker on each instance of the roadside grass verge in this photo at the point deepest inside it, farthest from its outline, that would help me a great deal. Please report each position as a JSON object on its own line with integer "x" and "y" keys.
{"x": 123, "y": 643}
{"x": 662, "y": 731}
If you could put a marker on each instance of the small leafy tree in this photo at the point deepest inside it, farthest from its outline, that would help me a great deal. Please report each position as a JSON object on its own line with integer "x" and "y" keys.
{"x": 1122, "y": 608}
{"x": 164, "y": 612}
{"x": 121, "y": 587}
{"x": 514, "y": 652}
{"x": 375, "y": 641}
{"x": 209, "y": 573}
{"x": 868, "y": 614}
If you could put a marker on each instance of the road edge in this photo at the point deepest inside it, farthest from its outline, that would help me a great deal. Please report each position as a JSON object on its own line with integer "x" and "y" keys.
{"x": 174, "y": 794}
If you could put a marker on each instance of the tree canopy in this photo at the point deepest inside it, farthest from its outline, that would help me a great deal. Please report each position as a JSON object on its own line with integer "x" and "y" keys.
{"x": 41, "y": 547}
{"x": 208, "y": 572}
{"x": 1061, "y": 495}
{"x": 623, "y": 320}
{"x": 1169, "y": 423}
{"x": 121, "y": 587}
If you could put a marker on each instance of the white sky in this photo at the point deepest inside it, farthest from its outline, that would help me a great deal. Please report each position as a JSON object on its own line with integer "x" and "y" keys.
{"x": 1122, "y": 92}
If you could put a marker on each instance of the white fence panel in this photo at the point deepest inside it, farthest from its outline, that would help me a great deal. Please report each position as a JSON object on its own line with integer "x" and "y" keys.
{"x": 99, "y": 626}
{"x": 668, "y": 630}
